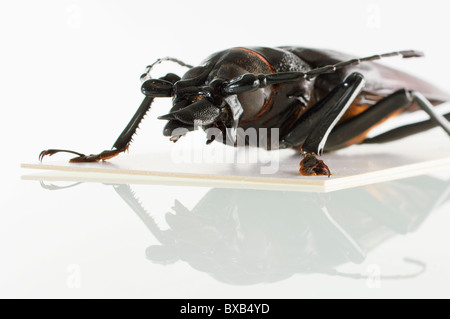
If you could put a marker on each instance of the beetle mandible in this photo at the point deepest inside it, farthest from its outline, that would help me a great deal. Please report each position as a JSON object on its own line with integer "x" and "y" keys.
{"x": 318, "y": 99}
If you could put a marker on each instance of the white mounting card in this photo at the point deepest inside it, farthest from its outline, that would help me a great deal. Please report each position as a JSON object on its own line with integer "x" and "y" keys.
{"x": 222, "y": 166}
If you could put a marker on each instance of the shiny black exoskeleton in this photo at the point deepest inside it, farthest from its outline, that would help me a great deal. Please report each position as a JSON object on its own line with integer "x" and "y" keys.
{"x": 315, "y": 99}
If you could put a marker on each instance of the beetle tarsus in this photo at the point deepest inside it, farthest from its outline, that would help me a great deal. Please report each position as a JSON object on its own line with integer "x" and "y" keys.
{"x": 82, "y": 158}
{"x": 312, "y": 166}
{"x": 103, "y": 156}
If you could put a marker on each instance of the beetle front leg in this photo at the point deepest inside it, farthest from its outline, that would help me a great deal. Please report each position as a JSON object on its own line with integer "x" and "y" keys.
{"x": 121, "y": 145}
{"x": 313, "y": 129}
{"x": 123, "y": 141}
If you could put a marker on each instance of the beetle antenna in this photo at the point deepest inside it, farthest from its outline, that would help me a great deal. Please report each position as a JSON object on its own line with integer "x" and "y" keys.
{"x": 333, "y": 67}
{"x": 250, "y": 82}
{"x": 146, "y": 75}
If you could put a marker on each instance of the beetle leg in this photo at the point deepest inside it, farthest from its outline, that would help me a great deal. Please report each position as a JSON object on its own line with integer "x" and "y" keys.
{"x": 129, "y": 196}
{"x": 310, "y": 165}
{"x": 435, "y": 116}
{"x": 322, "y": 118}
{"x": 403, "y": 131}
{"x": 125, "y": 138}
{"x": 119, "y": 146}
{"x": 333, "y": 109}
{"x": 355, "y": 129}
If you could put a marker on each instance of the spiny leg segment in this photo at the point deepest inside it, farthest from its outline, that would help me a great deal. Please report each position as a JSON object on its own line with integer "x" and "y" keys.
{"x": 125, "y": 138}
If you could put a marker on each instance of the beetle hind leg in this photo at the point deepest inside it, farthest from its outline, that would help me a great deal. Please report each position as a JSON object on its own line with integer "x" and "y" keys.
{"x": 354, "y": 130}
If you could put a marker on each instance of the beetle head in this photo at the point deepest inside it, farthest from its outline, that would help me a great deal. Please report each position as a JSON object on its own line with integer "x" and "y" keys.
{"x": 196, "y": 103}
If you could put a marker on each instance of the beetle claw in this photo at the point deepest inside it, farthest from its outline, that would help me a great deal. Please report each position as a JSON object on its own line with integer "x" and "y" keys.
{"x": 50, "y": 152}
{"x": 81, "y": 158}
{"x": 45, "y": 153}
{"x": 312, "y": 166}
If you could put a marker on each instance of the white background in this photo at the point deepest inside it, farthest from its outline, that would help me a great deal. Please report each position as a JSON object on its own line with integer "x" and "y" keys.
{"x": 69, "y": 73}
{"x": 70, "y": 69}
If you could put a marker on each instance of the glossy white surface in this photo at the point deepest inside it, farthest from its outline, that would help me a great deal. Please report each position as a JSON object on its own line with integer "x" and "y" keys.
{"x": 259, "y": 169}
{"x": 70, "y": 79}
{"x": 112, "y": 240}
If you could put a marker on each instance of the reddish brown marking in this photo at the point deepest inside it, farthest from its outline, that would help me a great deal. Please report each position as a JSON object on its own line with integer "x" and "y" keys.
{"x": 265, "y": 107}
{"x": 103, "y": 156}
{"x": 353, "y": 110}
{"x": 361, "y": 137}
{"x": 357, "y": 107}
{"x": 269, "y": 101}
{"x": 358, "y": 139}
{"x": 261, "y": 57}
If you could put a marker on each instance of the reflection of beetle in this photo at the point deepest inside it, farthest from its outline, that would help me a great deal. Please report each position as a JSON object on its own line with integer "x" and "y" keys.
{"x": 313, "y": 96}
{"x": 249, "y": 236}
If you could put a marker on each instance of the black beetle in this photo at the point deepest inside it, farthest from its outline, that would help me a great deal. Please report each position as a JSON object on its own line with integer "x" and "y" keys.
{"x": 318, "y": 99}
